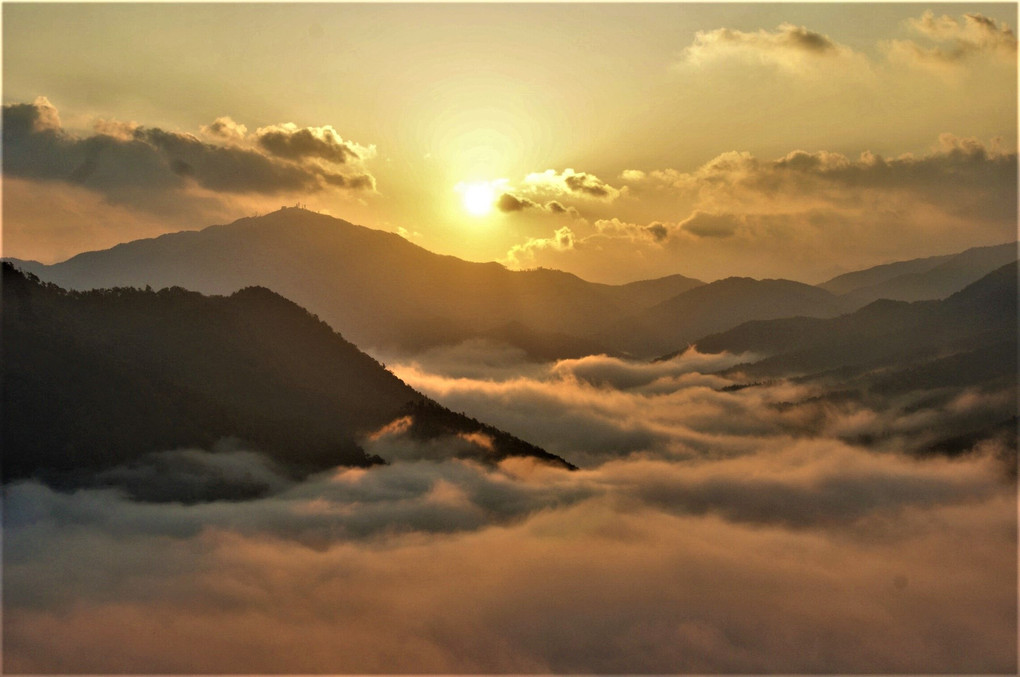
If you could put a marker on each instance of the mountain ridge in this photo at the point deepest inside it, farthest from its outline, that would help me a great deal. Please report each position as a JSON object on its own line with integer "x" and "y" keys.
{"x": 387, "y": 293}
{"x": 921, "y": 279}
{"x": 375, "y": 287}
{"x": 173, "y": 368}
{"x": 982, "y": 316}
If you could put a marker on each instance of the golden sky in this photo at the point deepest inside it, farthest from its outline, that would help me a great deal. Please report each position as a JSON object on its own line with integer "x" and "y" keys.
{"x": 618, "y": 142}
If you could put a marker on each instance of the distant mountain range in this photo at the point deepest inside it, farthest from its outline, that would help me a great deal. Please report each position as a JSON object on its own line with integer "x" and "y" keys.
{"x": 970, "y": 337}
{"x": 376, "y": 288}
{"x": 713, "y": 307}
{"x": 381, "y": 291}
{"x": 920, "y": 279}
{"x": 901, "y": 356}
{"x": 97, "y": 379}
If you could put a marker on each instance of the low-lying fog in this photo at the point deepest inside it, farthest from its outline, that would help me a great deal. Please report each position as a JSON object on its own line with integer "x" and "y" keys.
{"x": 768, "y": 528}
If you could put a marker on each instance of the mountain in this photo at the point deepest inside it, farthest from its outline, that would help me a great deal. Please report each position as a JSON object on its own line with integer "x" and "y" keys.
{"x": 957, "y": 356}
{"x": 969, "y": 337}
{"x": 377, "y": 288}
{"x": 869, "y": 277}
{"x": 94, "y": 380}
{"x": 920, "y": 279}
{"x": 647, "y": 293}
{"x": 715, "y": 307}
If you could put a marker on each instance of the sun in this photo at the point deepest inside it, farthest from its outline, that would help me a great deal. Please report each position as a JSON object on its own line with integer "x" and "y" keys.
{"x": 478, "y": 198}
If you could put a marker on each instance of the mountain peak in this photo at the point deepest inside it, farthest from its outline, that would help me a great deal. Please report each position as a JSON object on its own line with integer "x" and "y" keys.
{"x": 293, "y": 216}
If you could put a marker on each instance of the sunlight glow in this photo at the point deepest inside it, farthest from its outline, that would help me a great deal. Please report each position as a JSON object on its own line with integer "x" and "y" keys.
{"x": 478, "y": 198}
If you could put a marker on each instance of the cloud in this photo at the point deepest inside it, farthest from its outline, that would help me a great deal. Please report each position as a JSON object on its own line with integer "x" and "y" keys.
{"x": 620, "y": 374}
{"x": 294, "y": 143}
{"x": 225, "y": 128}
{"x": 510, "y": 203}
{"x": 596, "y": 408}
{"x": 569, "y": 184}
{"x": 396, "y": 442}
{"x": 195, "y": 475}
{"x": 813, "y": 212}
{"x": 790, "y": 48}
{"x": 474, "y": 358}
{"x": 639, "y": 566}
{"x": 741, "y": 175}
{"x": 127, "y": 163}
{"x": 122, "y": 180}
{"x": 955, "y": 41}
{"x": 521, "y": 255}
{"x": 658, "y": 231}
{"x": 39, "y": 116}
{"x": 701, "y": 224}
{"x": 713, "y": 530}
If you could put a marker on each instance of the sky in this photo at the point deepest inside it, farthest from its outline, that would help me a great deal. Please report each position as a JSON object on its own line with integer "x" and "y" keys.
{"x": 617, "y": 142}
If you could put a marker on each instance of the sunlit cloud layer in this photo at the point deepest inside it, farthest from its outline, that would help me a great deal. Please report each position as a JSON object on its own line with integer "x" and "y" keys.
{"x": 794, "y": 49}
{"x": 736, "y": 205}
{"x": 717, "y": 541}
{"x": 716, "y": 524}
{"x": 600, "y": 408}
{"x": 948, "y": 41}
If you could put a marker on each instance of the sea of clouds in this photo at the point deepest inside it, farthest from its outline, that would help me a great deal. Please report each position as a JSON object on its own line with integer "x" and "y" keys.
{"x": 708, "y": 529}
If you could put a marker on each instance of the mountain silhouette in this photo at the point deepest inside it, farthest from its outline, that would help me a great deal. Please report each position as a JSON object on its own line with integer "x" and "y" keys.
{"x": 376, "y": 288}
{"x": 93, "y": 380}
{"x": 920, "y": 279}
{"x": 382, "y": 291}
{"x": 715, "y": 307}
{"x": 970, "y": 337}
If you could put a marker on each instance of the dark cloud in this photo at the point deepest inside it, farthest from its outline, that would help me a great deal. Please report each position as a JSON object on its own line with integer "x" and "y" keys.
{"x": 350, "y": 181}
{"x": 568, "y": 184}
{"x": 802, "y": 38}
{"x": 297, "y": 144}
{"x": 658, "y": 231}
{"x": 512, "y": 203}
{"x": 711, "y": 225}
{"x": 509, "y": 202}
{"x": 194, "y": 475}
{"x": 21, "y": 119}
{"x": 588, "y": 184}
{"x": 129, "y": 163}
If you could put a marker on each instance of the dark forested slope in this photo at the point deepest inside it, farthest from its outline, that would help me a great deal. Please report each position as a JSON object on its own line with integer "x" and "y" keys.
{"x": 95, "y": 379}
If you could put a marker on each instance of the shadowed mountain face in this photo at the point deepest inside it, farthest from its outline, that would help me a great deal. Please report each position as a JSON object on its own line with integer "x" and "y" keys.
{"x": 377, "y": 288}
{"x": 725, "y": 304}
{"x": 957, "y": 356}
{"x": 93, "y": 380}
{"x": 920, "y": 279}
{"x": 967, "y": 338}
{"x": 382, "y": 291}
{"x": 715, "y": 307}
